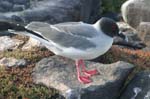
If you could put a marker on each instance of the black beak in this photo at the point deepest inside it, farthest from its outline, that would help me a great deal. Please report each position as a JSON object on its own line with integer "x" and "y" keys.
{"x": 124, "y": 37}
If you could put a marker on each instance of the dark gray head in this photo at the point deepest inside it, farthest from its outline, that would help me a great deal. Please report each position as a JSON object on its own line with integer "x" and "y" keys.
{"x": 109, "y": 27}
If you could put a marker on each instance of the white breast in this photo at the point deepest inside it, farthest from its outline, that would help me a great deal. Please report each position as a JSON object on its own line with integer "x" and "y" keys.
{"x": 103, "y": 44}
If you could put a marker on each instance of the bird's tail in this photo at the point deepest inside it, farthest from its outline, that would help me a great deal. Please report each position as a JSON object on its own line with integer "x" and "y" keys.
{"x": 12, "y": 27}
{"x": 22, "y": 30}
{"x": 5, "y": 25}
{"x": 18, "y": 29}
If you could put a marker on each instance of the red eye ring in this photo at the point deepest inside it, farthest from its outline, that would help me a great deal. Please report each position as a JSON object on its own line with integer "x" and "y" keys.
{"x": 113, "y": 27}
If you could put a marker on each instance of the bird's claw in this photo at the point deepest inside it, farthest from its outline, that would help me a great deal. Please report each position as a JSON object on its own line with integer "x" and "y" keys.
{"x": 84, "y": 79}
{"x": 90, "y": 72}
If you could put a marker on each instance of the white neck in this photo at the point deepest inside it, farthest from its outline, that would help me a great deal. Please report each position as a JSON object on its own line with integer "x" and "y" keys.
{"x": 96, "y": 25}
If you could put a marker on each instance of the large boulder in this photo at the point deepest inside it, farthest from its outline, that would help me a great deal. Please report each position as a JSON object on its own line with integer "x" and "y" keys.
{"x": 144, "y": 32}
{"x": 32, "y": 43}
{"x": 7, "y": 43}
{"x": 60, "y": 73}
{"x": 136, "y": 11}
{"x": 139, "y": 87}
{"x": 14, "y": 5}
{"x": 128, "y": 31}
{"x": 52, "y": 11}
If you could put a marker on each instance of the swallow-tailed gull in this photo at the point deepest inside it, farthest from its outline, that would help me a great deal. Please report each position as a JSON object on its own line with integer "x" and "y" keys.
{"x": 75, "y": 40}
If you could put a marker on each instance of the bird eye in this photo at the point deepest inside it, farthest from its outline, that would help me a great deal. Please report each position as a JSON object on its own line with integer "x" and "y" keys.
{"x": 113, "y": 27}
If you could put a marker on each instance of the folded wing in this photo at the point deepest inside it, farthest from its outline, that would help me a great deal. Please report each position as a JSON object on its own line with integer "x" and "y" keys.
{"x": 74, "y": 35}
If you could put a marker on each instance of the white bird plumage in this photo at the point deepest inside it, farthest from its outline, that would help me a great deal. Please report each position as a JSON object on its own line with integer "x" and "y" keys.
{"x": 101, "y": 40}
{"x": 76, "y": 40}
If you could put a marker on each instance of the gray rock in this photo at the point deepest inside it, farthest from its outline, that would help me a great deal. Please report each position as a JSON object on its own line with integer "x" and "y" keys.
{"x": 9, "y": 43}
{"x": 18, "y": 7}
{"x": 21, "y": 1}
{"x": 55, "y": 11}
{"x": 60, "y": 73}
{"x": 2, "y": 10}
{"x": 128, "y": 31}
{"x": 146, "y": 49}
{"x": 6, "y": 6}
{"x": 144, "y": 32}
{"x": 136, "y": 11}
{"x": 11, "y": 62}
{"x": 132, "y": 42}
{"x": 123, "y": 26}
{"x": 139, "y": 87}
{"x": 32, "y": 43}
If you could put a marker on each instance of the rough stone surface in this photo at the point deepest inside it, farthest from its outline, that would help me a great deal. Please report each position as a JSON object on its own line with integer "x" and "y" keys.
{"x": 32, "y": 43}
{"x": 139, "y": 87}
{"x": 10, "y": 62}
{"x": 9, "y": 43}
{"x": 136, "y": 11}
{"x": 128, "y": 31}
{"x": 144, "y": 32}
{"x": 52, "y": 11}
{"x": 123, "y": 26}
{"x": 132, "y": 41}
{"x": 146, "y": 49}
{"x": 9, "y": 5}
{"x": 5, "y": 6}
{"x": 60, "y": 73}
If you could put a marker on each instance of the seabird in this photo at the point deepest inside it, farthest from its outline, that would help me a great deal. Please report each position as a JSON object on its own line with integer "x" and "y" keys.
{"x": 75, "y": 40}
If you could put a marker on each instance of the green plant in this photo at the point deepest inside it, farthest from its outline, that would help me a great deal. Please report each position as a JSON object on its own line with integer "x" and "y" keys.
{"x": 17, "y": 82}
{"x": 112, "y": 5}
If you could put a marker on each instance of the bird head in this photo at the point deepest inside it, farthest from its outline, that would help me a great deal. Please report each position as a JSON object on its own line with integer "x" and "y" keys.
{"x": 110, "y": 28}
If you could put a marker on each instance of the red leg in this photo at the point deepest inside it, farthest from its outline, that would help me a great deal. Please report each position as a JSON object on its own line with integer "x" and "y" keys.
{"x": 82, "y": 79}
{"x": 87, "y": 72}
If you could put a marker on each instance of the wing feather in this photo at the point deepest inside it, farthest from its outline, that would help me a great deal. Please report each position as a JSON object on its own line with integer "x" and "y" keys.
{"x": 64, "y": 35}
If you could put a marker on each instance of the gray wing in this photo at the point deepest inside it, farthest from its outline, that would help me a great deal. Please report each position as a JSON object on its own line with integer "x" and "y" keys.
{"x": 69, "y": 23}
{"x": 64, "y": 36}
{"x": 77, "y": 28}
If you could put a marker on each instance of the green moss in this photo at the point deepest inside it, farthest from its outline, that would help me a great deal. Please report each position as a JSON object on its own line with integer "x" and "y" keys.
{"x": 112, "y": 5}
{"x": 32, "y": 56}
{"x": 17, "y": 83}
{"x": 10, "y": 90}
